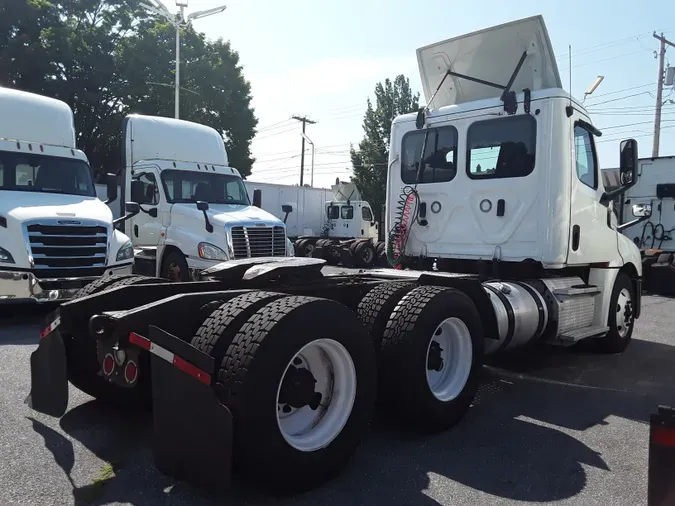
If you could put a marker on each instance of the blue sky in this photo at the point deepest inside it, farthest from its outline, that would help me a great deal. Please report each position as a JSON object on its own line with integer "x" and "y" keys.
{"x": 323, "y": 58}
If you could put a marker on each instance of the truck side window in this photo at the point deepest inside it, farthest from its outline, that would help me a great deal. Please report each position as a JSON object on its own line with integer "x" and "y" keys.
{"x": 585, "y": 157}
{"x": 333, "y": 212}
{"x": 440, "y": 156}
{"x": 347, "y": 212}
{"x": 501, "y": 148}
{"x": 366, "y": 214}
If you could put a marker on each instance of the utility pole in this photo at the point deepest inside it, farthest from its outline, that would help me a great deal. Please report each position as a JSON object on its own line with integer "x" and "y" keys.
{"x": 304, "y": 121}
{"x": 659, "y": 93}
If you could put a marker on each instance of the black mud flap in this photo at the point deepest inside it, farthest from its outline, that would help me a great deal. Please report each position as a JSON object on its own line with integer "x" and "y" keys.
{"x": 346, "y": 258}
{"x": 192, "y": 429}
{"x": 49, "y": 377}
{"x": 661, "y": 473}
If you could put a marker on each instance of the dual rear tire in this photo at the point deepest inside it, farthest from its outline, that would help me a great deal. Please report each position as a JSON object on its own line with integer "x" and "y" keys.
{"x": 318, "y": 363}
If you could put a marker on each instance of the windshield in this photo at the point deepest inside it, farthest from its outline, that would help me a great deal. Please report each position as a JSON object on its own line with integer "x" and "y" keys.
{"x": 183, "y": 186}
{"x": 45, "y": 174}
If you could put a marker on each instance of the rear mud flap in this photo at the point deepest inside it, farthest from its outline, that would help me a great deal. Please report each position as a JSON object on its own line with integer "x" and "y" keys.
{"x": 49, "y": 377}
{"x": 346, "y": 257}
{"x": 192, "y": 430}
{"x": 661, "y": 471}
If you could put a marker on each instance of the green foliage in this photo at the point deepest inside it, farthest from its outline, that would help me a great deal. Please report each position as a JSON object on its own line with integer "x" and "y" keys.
{"x": 371, "y": 160}
{"x": 100, "y": 57}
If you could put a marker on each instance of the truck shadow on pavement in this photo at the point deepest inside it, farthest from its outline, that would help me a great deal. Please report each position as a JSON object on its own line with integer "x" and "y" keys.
{"x": 517, "y": 442}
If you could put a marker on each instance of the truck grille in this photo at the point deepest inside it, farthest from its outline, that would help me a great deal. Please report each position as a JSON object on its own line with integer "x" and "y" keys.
{"x": 249, "y": 242}
{"x": 56, "y": 249}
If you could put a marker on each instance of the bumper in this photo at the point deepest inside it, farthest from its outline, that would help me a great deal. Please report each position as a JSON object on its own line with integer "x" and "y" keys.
{"x": 23, "y": 286}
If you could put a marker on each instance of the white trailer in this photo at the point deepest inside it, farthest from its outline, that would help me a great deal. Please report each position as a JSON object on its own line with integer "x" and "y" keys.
{"x": 56, "y": 236}
{"x": 337, "y": 224}
{"x": 498, "y": 184}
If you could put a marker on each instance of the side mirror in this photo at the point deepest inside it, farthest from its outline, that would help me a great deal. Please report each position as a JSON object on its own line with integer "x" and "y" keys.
{"x": 111, "y": 184}
{"x": 642, "y": 210}
{"x": 203, "y": 207}
{"x": 628, "y": 165}
{"x": 628, "y": 170}
{"x": 132, "y": 209}
{"x": 257, "y": 198}
{"x": 285, "y": 208}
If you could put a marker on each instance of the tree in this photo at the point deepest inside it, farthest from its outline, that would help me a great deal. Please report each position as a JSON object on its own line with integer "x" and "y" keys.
{"x": 109, "y": 58}
{"x": 370, "y": 162}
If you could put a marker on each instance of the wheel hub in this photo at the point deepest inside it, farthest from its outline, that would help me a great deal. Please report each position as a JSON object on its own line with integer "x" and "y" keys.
{"x": 297, "y": 390}
{"x": 435, "y": 360}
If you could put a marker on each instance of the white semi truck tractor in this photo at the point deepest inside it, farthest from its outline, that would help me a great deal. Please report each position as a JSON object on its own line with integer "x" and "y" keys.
{"x": 56, "y": 236}
{"x": 195, "y": 211}
{"x": 277, "y": 366}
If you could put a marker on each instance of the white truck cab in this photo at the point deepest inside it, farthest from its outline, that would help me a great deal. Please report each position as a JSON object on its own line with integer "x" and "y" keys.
{"x": 195, "y": 211}
{"x": 55, "y": 235}
{"x": 499, "y": 175}
{"x": 349, "y": 217}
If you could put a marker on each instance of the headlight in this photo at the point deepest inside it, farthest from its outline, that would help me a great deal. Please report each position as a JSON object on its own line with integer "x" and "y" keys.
{"x": 290, "y": 249}
{"x": 6, "y": 257}
{"x": 210, "y": 252}
{"x": 126, "y": 252}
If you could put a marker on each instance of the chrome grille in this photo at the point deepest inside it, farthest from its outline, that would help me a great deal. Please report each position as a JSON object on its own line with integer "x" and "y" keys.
{"x": 57, "y": 250}
{"x": 249, "y": 242}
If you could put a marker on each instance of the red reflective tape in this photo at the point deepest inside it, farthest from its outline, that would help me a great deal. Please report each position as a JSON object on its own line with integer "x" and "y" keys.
{"x": 663, "y": 436}
{"x": 50, "y": 328}
{"x": 140, "y": 341}
{"x": 191, "y": 370}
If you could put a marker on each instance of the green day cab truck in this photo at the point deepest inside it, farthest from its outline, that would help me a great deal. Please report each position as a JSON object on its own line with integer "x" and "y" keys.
{"x": 194, "y": 208}
{"x": 276, "y": 365}
{"x": 56, "y": 236}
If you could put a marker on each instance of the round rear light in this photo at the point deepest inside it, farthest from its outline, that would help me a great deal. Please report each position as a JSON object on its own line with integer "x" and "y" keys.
{"x": 131, "y": 372}
{"x": 108, "y": 364}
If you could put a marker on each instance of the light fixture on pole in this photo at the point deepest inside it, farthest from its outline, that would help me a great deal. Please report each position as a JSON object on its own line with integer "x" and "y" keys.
{"x": 311, "y": 177}
{"x": 594, "y": 85}
{"x": 179, "y": 21}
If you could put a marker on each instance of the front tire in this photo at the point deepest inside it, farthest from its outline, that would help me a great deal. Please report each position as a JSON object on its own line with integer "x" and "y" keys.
{"x": 175, "y": 267}
{"x": 621, "y": 318}
{"x": 301, "y": 391}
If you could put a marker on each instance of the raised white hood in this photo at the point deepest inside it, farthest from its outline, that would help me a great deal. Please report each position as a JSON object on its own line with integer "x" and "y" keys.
{"x": 491, "y": 55}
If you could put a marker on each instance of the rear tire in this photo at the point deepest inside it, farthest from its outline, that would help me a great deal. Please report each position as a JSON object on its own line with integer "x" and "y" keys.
{"x": 82, "y": 359}
{"x": 364, "y": 255}
{"x": 621, "y": 316}
{"x": 263, "y": 352}
{"x": 412, "y": 386}
{"x": 101, "y": 283}
{"x": 376, "y": 307}
{"x": 216, "y": 333}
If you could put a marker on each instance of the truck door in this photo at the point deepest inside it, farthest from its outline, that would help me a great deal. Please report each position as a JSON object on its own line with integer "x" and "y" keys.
{"x": 368, "y": 223}
{"x": 592, "y": 235}
{"x": 146, "y": 225}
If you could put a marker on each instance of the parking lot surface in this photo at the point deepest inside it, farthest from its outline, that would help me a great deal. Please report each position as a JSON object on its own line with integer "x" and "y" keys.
{"x": 553, "y": 426}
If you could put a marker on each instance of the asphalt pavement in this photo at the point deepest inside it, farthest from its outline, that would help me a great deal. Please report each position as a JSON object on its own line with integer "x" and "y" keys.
{"x": 561, "y": 427}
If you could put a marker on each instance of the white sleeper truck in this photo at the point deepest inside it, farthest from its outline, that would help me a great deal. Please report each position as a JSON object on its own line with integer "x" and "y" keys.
{"x": 277, "y": 365}
{"x": 56, "y": 236}
{"x": 194, "y": 208}
{"x": 338, "y": 225}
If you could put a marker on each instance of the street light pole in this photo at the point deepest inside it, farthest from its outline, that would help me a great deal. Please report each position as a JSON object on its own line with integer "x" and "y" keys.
{"x": 179, "y": 21}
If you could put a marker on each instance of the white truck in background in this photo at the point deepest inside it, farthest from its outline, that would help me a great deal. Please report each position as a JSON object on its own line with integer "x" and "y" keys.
{"x": 337, "y": 224}
{"x": 56, "y": 236}
{"x": 650, "y": 204}
{"x": 194, "y": 208}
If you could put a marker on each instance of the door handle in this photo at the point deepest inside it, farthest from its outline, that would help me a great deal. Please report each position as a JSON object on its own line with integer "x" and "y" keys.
{"x": 136, "y": 230}
{"x": 501, "y": 204}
